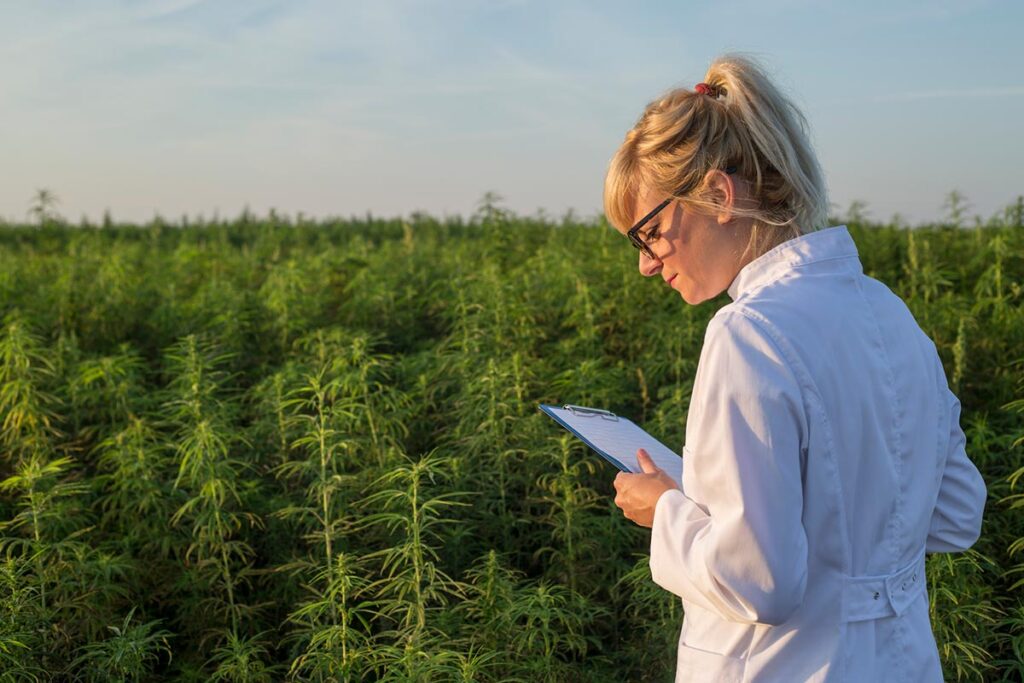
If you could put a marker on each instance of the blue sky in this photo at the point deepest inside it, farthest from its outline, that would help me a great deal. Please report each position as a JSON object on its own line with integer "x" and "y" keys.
{"x": 392, "y": 106}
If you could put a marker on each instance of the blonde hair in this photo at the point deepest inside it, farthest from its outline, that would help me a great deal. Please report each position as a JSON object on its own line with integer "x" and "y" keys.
{"x": 745, "y": 122}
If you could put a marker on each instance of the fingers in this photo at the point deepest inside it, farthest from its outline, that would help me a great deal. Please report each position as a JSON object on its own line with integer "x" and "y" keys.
{"x": 621, "y": 484}
{"x": 647, "y": 465}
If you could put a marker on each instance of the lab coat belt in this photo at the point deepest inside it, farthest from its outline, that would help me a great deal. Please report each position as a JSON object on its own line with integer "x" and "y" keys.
{"x": 885, "y": 595}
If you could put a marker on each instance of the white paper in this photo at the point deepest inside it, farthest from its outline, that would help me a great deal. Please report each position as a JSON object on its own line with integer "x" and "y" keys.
{"x": 619, "y": 438}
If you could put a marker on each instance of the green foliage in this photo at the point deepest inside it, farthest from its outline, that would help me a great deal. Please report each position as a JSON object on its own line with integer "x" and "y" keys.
{"x": 242, "y": 659}
{"x": 29, "y": 422}
{"x": 129, "y": 654}
{"x": 962, "y": 611}
{"x": 22, "y": 622}
{"x": 412, "y": 586}
{"x": 274, "y": 449}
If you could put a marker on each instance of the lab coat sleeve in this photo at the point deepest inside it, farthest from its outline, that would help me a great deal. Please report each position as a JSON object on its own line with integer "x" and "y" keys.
{"x": 956, "y": 520}
{"x": 732, "y": 540}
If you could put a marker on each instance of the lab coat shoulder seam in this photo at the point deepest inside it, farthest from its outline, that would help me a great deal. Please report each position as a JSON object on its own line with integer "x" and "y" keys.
{"x": 770, "y": 333}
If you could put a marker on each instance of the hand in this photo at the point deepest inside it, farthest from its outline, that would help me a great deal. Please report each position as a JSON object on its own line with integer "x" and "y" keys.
{"x": 637, "y": 494}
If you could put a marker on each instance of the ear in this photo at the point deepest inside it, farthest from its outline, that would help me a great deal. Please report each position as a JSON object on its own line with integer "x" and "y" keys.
{"x": 720, "y": 186}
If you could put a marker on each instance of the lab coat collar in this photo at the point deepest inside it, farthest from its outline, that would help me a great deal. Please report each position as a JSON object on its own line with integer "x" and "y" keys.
{"x": 821, "y": 245}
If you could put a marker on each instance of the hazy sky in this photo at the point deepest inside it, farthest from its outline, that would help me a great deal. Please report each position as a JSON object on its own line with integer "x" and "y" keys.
{"x": 391, "y": 106}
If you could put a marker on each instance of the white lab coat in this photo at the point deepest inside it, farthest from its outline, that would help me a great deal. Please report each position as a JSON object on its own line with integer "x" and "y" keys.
{"x": 823, "y": 458}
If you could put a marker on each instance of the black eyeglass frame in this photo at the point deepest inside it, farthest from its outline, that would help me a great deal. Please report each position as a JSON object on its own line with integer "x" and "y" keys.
{"x": 633, "y": 233}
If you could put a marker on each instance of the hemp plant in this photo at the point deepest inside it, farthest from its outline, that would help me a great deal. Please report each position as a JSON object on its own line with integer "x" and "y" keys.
{"x": 567, "y": 501}
{"x": 650, "y": 615}
{"x": 26, "y": 407}
{"x": 270, "y": 413}
{"x": 106, "y": 392}
{"x": 362, "y": 376}
{"x": 488, "y": 441}
{"x": 135, "y": 481}
{"x": 128, "y": 654}
{"x": 490, "y": 592}
{"x": 550, "y": 623}
{"x": 42, "y": 493}
{"x": 23, "y": 623}
{"x": 213, "y": 479}
{"x": 962, "y": 611}
{"x": 412, "y": 587}
{"x": 325, "y": 620}
{"x": 333, "y": 625}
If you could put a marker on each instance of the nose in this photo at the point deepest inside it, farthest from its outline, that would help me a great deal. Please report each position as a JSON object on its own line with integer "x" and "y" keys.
{"x": 649, "y": 266}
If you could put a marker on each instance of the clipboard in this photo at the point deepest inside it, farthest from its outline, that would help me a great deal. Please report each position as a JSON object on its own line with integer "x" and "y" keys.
{"x": 615, "y": 438}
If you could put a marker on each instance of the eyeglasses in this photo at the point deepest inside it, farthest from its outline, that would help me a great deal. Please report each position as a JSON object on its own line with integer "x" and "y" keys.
{"x": 634, "y": 232}
{"x": 635, "y": 238}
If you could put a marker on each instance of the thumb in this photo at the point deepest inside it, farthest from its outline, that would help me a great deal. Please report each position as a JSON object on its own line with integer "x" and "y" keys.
{"x": 647, "y": 465}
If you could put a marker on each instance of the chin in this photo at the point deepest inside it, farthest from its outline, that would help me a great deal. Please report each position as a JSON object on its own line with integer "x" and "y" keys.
{"x": 693, "y": 298}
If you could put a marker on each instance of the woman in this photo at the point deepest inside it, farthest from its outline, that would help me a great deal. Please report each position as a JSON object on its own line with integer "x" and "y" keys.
{"x": 823, "y": 455}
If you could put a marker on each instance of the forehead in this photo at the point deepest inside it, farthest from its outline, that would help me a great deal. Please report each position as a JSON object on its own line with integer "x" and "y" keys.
{"x": 647, "y": 200}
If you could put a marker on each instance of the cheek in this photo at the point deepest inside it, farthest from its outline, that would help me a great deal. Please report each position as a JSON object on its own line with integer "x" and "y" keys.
{"x": 691, "y": 283}
{"x": 687, "y": 264}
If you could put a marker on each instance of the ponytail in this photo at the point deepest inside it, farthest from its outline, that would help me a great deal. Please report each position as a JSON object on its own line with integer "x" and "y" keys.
{"x": 738, "y": 119}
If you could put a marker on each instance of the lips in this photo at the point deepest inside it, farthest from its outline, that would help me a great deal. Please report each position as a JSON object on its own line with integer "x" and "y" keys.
{"x": 669, "y": 281}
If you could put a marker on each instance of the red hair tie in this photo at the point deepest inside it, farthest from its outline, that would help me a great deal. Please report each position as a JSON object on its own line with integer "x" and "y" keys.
{"x": 705, "y": 89}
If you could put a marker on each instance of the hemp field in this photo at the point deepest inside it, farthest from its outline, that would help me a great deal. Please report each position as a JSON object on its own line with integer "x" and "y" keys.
{"x": 266, "y": 449}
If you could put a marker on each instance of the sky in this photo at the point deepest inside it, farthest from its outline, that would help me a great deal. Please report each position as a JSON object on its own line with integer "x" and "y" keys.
{"x": 174, "y": 107}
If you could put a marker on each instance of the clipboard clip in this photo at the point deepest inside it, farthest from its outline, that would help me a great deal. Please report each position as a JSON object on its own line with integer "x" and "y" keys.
{"x": 589, "y": 412}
